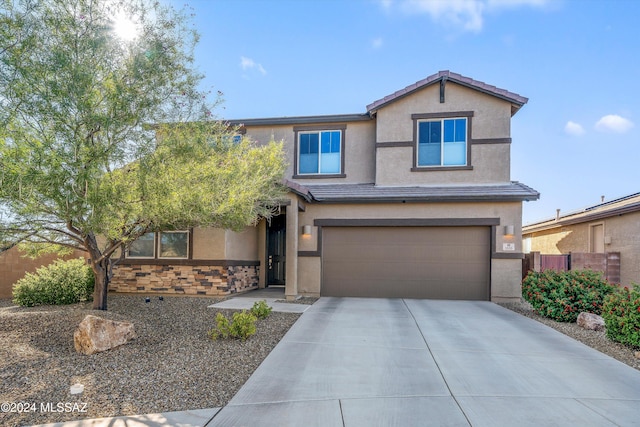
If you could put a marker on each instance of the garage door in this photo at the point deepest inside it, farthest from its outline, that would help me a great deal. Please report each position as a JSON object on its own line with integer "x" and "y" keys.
{"x": 406, "y": 262}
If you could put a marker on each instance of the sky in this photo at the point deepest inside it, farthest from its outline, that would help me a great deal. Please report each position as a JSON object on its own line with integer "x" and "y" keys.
{"x": 578, "y": 62}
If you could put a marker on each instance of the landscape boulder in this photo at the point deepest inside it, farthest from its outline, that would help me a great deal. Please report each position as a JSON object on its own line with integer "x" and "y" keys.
{"x": 590, "y": 321}
{"x": 95, "y": 334}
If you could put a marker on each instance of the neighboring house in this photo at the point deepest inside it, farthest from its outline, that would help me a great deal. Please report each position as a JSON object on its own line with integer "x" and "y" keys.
{"x": 412, "y": 198}
{"x": 606, "y": 227}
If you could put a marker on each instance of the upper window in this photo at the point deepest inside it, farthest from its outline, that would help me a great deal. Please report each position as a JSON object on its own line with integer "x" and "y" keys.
{"x": 165, "y": 244}
{"x": 442, "y": 142}
{"x": 319, "y": 152}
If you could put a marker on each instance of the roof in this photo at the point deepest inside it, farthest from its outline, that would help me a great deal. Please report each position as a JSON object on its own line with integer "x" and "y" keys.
{"x": 516, "y": 100}
{"x": 300, "y": 120}
{"x": 370, "y": 193}
{"x": 616, "y": 207}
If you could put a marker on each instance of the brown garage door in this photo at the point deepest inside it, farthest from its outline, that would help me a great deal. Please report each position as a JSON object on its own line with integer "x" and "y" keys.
{"x": 406, "y": 262}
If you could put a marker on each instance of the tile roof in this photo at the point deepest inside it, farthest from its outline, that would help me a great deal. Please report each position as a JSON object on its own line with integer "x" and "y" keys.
{"x": 352, "y": 193}
{"x": 620, "y": 206}
{"x": 514, "y": 98}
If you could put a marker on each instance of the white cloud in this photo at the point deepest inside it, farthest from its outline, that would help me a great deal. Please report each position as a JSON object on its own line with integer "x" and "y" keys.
{"x": 614, "y": 123}
{"x": 376, "y": 43}
{"x": 465, "y": 14}
{"x": 573, "y": 128}
{"x": 249, "y": 64}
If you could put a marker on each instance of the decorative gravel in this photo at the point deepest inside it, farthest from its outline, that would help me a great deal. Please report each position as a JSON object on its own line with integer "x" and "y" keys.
{"x": 171, "y": 366}
{"x": 594, "y": 339}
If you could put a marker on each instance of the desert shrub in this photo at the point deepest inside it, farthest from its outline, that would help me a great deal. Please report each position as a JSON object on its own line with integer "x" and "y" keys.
{"x": 562, "y": 295}
{"x": 63, "y": 282}
{"x": 621, "y": 313}
{"x": 242, "y": 326}
{"x": 260, "y": 309}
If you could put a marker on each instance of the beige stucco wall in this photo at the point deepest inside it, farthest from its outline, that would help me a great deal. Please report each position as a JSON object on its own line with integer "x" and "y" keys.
{"x": 491, "y": 120}
{"x": 623, "y": 232}
{"x": 219, "y": 244}
{"x": 208, "y": 243}
{"x": 359, "y": 141}
{"x": 242, "y": 246}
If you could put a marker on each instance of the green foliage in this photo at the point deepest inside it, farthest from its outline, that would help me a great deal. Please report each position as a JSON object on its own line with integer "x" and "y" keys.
{"x": 562, "y": 295}
{"x": 621, "y": 313}
{"x": 101, "y": 136}
{"x": 242, "y": 326}
{"x": 260, "y": 309}
{"x": 63, "y": 282}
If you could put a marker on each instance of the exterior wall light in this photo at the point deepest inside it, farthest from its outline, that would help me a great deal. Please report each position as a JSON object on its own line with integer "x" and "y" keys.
{"x": 509, "y": 230}
{"x": 306, "y": 230}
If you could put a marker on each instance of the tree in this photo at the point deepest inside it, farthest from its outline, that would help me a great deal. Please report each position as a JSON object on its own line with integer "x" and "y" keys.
{"x": 105, "y": 138}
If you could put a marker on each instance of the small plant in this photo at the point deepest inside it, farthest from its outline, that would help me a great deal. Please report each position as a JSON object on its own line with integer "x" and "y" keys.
{"x": 260, "y": 309}
{"x": 562, "y": 295}
{"x": 242, "y": 326}
{"x": 621, "y": 313}
{"x": 63, "y": 282}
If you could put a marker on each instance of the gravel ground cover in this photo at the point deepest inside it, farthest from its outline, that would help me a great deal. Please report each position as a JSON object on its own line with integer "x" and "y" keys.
{"x": 594, "y": 339}
{"x": 171, "y": 366}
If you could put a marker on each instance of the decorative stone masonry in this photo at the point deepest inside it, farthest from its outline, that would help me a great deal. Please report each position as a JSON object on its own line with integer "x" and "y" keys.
{"x": 213, "y": 280}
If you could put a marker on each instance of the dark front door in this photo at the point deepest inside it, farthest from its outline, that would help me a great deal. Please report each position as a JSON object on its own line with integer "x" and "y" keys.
{"x": 276, "y": 242}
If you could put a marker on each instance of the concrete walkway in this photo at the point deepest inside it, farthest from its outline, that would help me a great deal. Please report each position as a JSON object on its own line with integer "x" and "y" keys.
{"x": 270, "y": 295}
{"x": 392, "y": 362}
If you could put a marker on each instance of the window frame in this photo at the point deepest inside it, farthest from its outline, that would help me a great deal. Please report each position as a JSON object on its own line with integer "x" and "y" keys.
{"x": 157, "y": 242}
{"x": 300, "y": 130}
{"x": 433, "y": 117}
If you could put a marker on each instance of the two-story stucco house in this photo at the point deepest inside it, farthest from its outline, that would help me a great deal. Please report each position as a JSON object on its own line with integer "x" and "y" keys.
{"x": 412, "y": 198}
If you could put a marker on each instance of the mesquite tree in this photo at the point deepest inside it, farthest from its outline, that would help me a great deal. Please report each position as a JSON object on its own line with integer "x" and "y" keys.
{"x": 105, "y": 135}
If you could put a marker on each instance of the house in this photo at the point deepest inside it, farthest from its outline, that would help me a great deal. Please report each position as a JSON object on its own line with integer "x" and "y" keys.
{"x": 612, "y": 226}
{"x": 412, "y": 198}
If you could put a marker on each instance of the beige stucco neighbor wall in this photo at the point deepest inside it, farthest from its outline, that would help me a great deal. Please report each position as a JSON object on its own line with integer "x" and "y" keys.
{"x": 505, "y": 273}
{"x": 359, "y": 149}
{"x": 623, "y": 232}
{"x": 491, "y": 120}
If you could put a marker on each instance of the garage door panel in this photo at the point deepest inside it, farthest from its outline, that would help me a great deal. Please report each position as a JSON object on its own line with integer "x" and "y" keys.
{"x": 407, "y": 262}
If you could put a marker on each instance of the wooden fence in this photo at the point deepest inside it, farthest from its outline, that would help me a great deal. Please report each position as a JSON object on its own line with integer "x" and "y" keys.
{"x": 608, "y": 263}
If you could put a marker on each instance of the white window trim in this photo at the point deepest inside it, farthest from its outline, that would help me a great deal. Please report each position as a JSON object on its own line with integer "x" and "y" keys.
{"x": 442, "y": 120}
{"x": 319, "y": 132}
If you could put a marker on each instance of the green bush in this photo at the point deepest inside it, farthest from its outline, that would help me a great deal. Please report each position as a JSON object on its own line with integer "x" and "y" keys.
{"x": 242, "y": 326}
{"x": 260, "y": 309}
{"x": 63, "y": 282}
{"x": 562, "y": 295}
{"x": 621, "y": 313}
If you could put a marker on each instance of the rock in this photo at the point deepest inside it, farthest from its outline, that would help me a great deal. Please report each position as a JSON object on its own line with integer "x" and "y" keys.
{"x": 636, "y": 354}
{"x": 591, "y": 321}
{"x": 95, "y": 334}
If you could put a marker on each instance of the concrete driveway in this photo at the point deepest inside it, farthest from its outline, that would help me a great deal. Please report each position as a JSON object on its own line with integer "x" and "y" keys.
{"x": 392, "y": 362}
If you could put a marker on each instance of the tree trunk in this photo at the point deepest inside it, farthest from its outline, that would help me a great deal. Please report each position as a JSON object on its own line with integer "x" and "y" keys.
{"x": 101, "y": 284}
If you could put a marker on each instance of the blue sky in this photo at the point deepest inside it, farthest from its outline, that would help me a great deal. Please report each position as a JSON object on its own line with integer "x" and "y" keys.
{"x": 578, "y": 62}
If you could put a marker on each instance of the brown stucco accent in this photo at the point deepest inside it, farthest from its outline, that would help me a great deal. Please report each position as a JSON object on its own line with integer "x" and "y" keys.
{"x": 191, "y": 262}
{"x": 297, "y": 129}
{"x": 443, "y": 115}
{"x": 394, "y": 144}
{"x": 491, "y": 141}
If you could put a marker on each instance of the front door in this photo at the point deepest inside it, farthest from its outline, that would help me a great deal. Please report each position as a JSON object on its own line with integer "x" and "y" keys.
{"x": 276, "y": 242}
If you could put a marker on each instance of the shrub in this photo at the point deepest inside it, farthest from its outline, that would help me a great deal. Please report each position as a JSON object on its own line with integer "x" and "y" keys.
{"x": 242, "y": 326}
{"x": 63, "y": 282}
{"x": 621, "y": 313}
{"x": 260, "y": 309}
{"x": 562, "y": 295}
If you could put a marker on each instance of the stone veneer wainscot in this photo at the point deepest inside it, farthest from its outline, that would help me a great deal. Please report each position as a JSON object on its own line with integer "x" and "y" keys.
{"x": 168, "y": 278}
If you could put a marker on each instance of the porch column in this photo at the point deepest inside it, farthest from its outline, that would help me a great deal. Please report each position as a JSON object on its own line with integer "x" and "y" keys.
{"x": 291, "y": 275}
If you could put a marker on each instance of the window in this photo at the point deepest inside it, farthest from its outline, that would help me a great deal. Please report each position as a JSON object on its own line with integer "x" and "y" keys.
{"x": 143, "y": 247}
{"x": 442, "y": 142}
{"x": 165, "y": 244}
{"x": 320, "y": 152}
{"x": 173, "y": 244}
